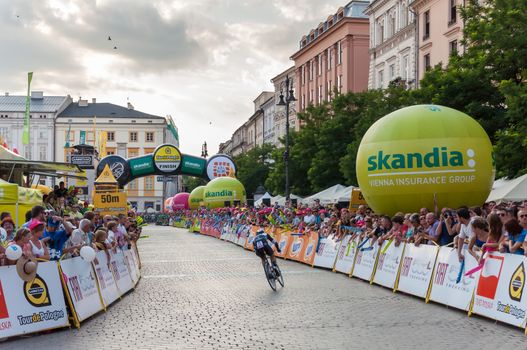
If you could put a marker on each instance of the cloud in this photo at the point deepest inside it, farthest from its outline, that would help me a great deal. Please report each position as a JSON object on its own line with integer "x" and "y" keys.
{"x": 200, "y": 61}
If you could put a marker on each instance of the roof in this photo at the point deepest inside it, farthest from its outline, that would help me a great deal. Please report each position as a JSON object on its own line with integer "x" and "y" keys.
{"x": 104, "y": 110}
{"x": 48, "y": 104}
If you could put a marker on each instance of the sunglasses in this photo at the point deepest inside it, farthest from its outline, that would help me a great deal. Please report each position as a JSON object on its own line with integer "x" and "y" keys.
{"x": 501, "y": 214}
{"x": 523, "y": 216}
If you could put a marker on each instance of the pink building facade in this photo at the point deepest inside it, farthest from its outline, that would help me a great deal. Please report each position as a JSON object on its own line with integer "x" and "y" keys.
{"x": 439, "y": 31}
{"x": 334, "y": 56}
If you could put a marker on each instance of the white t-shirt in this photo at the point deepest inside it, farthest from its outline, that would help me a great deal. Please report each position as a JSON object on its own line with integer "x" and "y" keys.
{"x": 111, "y": 237}
{"x": 465, "y": 231}
{"x": 309, "y": 219}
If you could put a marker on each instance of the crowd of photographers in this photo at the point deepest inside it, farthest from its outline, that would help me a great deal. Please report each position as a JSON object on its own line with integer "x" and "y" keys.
{"x": 492, "y": 227}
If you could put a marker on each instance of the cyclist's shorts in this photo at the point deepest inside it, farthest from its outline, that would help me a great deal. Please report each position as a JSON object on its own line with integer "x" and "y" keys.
{"x": 266, "y": 249}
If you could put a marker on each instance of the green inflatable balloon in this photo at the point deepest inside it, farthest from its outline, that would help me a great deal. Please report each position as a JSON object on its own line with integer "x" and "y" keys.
{"x": 418, "y": 153}
{"x": 222, "y": 191}
{"x": 196, "y": 197}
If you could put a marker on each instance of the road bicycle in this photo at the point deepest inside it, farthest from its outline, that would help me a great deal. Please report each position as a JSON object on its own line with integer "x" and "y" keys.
{"x": 272, "y": 273}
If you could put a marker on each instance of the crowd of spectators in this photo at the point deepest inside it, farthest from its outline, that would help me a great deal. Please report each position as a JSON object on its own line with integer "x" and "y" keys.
{"x": 62, "y": 226}
{"x": 492, "y": 227}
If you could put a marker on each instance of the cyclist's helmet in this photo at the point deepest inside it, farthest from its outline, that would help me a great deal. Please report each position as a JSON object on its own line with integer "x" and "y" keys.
{"x": 260, "y": 231}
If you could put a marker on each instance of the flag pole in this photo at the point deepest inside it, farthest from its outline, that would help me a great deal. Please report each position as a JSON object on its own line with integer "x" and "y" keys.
{"x": 25, "y": 134}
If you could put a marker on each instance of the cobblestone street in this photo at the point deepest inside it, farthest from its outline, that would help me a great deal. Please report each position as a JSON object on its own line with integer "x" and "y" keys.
{"x": 198, "y": 292}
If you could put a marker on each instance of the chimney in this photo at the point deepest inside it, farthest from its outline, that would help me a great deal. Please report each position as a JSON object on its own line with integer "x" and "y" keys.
{"x": 130, "y": 106}
{"x": 94, "y": 100}
{"x": 83, "y": 103}
{"x": 7, "y": 93}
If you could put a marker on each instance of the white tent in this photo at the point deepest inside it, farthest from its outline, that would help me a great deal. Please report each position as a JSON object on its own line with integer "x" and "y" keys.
{"x": 344, "y": 195}
{"x": 260, "y": 200}
{"x": 514, "y": 190}
{"x": 327, "y": 196}
{"x": 281, "y": 199}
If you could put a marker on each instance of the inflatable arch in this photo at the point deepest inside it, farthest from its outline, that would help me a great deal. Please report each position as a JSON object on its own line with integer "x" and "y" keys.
{"x": 167, "y": 160}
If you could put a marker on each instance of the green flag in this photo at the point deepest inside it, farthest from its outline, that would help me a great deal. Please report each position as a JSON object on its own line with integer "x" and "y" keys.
{"x": 25, "y": 135}
{"x": 67, "y": 145}
{"x": 82, "y": 140}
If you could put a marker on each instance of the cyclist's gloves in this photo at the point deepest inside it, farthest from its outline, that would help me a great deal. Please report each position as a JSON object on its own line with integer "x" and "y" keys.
{"x": 277, "y": 247}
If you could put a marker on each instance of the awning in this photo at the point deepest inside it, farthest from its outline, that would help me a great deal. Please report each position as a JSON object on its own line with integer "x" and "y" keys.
{"x": 40, "y": 168}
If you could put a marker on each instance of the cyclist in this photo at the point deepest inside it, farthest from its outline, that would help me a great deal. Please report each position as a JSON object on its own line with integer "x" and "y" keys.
{"x": 262, "y": 246}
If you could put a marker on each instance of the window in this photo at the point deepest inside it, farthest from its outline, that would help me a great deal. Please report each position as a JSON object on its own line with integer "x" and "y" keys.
{"x": 42, "y": 136}
{"x": 405, "y": 68}
{"x": 380, "y": 32}
{"x": 133, "y": 136}
{"x": 320, "y": 94}
{"x": 339, "y": 83}
{"x": 391, "y": 71}
{"x": 328, "y": 90}
{"x": 392, "y": 25}
{"x": 320, "y": 64}
{"x": 380, "y": 81}
{"x": 426, "y": 25}
{"x": 311, "y": 96}
{"x": 111, "y": 136}
{"x": 132, "y": 186}
{"x": 426, "y": 61}
{"x": 311, "y": 69}
{"x": 339, "y": 50}
{"x": 452, "y": 18}
{"x": 133, "y": 204}
{"x": 42, "y": 152}
{"x": 303, "y": 74}
{"x": 404, "y": 16}
{"x": 26, "y": 151}
{"x": 149, "y": 205}
{"x": 90, "y": 136}
{"x": 70, "y": 137}
{"x": 149, "y": 136}
{"x": 452, "y": 47}
{"x": 149, "y": 183}
{"x": 158, "y": 207}
{"x": 133, "y": 152}
{"x": 330, "y": 58}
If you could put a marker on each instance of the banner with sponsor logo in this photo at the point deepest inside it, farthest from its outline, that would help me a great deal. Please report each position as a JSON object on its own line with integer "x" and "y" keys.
{"x": 130, "y": 266}
{"x": 297, "y": 246}
{"x": 27, "y": 307}
{"x": 120, "y": 272}
{"x": 284, "y": 240}
{"x": 107, "y": 286}
{"x": 81, "y": 282}
{"x": 310, "y": 247}
{"x": 346, "y": 255}
{"x": 326, "y": 253}
{"x": 365, "y": 260}
{"x": 134, "y": 264}
{"x": 250, "y": 238}
{"x": 416, "y": 269}
{"x": 388, "y": 263}
{"x": 450, "y": 286}
{"x": 500, "y": 289}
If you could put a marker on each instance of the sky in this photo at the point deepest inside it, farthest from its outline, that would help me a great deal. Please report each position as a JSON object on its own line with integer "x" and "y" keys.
{"x": 201, "y": 61}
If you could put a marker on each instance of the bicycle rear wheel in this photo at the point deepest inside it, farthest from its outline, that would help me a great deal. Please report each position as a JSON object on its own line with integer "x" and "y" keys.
{"x": 269, "y": 274}
{"x": 279, "y": 276}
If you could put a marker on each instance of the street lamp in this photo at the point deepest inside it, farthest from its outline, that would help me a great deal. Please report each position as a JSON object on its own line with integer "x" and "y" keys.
{"x": 204, "y": 153}
{"x": 290, "y": 97}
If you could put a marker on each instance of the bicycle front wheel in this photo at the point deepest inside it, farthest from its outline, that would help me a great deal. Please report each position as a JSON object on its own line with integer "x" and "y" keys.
{"x": 279, "y": 276}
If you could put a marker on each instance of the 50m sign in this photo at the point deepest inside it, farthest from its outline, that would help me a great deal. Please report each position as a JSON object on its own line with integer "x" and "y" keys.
{"x": 110, "y": 203}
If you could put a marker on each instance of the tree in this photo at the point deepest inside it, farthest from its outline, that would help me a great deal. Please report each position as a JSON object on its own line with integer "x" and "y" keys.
{"x": 254, "y": 166}
{"x": 191, "y": 182}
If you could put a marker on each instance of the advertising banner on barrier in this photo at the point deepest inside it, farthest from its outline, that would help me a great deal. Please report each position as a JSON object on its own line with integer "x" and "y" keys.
{"x": 27, "y": 307}
{"x": 120, "y": 272}
{"x": 250, "y": 238}
{"x": 388, "y": 263}
{"x": 130, "y": 266}
{"x": 450, "y": 286}
{"x": 500, "y": 289}
{"x": 82, "y": 287}
{"x": 105, "y": 278}
{"x": 346, "y": 255}
{"x": 297, "y": 246}
{"x": 416, "y": 269}
{"x": 134, "y": 265}
{"x": 308, "y": 255}
{"x": 365, "y": 260}
{"x": 284, "y": 240}
{"x": 225, "y": 230}
{"x": 136, "y": 255}
{"x": 326, "y": 253}
{"x": 242, "y": 233}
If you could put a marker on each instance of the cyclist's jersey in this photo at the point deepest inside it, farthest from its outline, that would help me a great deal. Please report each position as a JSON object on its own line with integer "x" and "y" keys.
{"x": 262, "y": 239}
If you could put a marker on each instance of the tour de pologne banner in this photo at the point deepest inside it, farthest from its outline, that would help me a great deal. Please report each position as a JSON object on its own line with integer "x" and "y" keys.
{"x": 365, "y": 260}
{"x": 307, "y": 255}
{"x": 500, "y": 290}
{"x": 416, "y": 269}
{"x": 284, "y": 240}
{"x": 388, "y": 263}
{"x": 346, "y": 255}
{"x": 445, "y": 286}
{"x": 27, "y": 307}
{"x": 130, "y": 266}
{"x": 107, "y": 286}
{"x": 82, "y": 286}
{"x": 297, "y": 246}
{"x": 120, "y": 272}
{"x": 326, "y": 253}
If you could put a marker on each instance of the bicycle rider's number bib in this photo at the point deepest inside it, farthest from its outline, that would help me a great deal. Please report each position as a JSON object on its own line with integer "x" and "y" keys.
{"x": 259, "y": 245}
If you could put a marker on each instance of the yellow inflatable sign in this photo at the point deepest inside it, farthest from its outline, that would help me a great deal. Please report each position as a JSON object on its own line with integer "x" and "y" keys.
{"x": 418, "y": 153}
